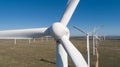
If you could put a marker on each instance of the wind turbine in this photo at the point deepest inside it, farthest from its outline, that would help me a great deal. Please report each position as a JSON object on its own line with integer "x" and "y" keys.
{"x": 61, "y": 34}
{"x": 29, "y": 41}
{"x": 96, "y": 50}
{"x": 15, "y": 41}
{"x": 93, "y": 41}
{"x": 104, "y": 37}
{"x": 88, "y": 45}
{"x": 95, "y": 38}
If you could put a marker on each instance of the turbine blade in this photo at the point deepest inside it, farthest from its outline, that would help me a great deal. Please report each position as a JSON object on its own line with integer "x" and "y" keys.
{"x": 97, "y": 37}
{"x": 71, "y": 6}
{"x": 74, "y": 54}
{"x": 23, "y": 33}
{"x": 80, "y": 30}
{"x": 61, "y": 56}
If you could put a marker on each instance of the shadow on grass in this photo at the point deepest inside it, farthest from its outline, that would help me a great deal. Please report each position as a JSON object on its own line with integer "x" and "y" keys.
{"x": 44, "y": 60}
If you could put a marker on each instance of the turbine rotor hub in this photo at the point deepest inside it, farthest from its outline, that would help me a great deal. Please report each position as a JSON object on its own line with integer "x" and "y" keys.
{"x": 58, "y": 30}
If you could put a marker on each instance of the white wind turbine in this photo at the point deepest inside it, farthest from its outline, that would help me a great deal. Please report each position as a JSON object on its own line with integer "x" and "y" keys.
{"x": 95, "y": 38}
{"x": 95, "y": 47}
{"x": 61, "y": 34}
{"x": 15, "y": 41}
{"x": 88, "y": 45}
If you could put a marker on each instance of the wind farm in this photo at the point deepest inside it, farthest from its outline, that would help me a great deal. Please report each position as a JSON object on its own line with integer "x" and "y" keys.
{"x": 42, "y": 53}
{"x": 55, "y": 43}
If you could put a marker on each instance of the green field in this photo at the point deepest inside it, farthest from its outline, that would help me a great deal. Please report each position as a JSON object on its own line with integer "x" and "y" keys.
{"x": 42, "y": 53}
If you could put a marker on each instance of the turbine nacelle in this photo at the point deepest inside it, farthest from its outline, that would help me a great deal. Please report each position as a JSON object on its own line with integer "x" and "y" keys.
{"x": 58, "y": 30}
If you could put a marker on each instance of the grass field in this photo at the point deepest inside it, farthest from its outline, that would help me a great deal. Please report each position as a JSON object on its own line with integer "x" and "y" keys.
{"x": 42, "y": 53}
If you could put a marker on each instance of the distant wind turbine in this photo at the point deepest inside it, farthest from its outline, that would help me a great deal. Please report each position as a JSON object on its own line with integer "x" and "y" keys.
{"x": 15, "y": 41}
{"x": 88, "y": 45}
{"x": 95, "y": 37}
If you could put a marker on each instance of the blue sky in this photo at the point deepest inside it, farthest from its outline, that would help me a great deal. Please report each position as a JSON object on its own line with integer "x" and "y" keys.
{"x": 20, "y": 14}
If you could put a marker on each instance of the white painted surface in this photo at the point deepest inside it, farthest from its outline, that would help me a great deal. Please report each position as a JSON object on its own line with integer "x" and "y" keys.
{"x": 61, "y": 56}
{"x": 22, "y": 33}
{"x": 73, "y": 53}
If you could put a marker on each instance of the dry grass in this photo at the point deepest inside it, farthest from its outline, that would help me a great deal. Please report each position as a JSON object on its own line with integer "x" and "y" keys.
{"x": 42, "y": 54}
{"x": 110, "y": 53}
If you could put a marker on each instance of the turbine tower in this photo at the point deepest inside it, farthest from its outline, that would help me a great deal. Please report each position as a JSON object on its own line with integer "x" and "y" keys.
{"x": 60, "y": 32}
